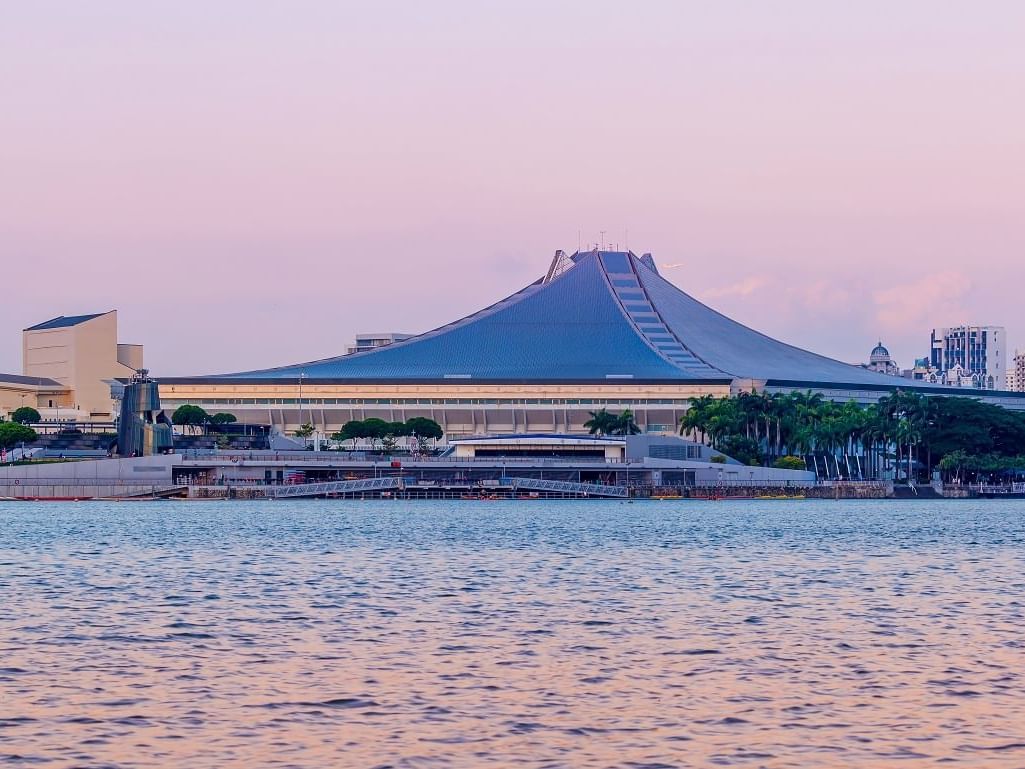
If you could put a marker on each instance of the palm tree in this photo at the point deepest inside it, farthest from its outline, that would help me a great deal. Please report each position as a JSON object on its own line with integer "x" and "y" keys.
{"x": 602, "y": 422}
{"x": 695, "y": 418}
{"x": 624, "y": 424}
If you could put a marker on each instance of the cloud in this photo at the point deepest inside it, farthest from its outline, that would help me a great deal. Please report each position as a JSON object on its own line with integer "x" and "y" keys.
{"x": 918, "y": 303}
{"x": 745, "y": 287}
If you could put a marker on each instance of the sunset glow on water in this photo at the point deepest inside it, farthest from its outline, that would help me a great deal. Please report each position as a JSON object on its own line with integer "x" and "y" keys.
{"x": 542, "y": 634}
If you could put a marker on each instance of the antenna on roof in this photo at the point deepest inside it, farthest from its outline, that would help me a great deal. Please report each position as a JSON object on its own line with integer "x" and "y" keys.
{"x": 603, "y": 240}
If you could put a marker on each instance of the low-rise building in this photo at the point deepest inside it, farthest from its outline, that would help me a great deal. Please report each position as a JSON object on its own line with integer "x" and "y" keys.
{"x": 81, "y": 355}
{"x": 41, "y": 393}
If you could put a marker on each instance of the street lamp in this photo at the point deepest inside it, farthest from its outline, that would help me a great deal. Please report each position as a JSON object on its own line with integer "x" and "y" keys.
{"x": 302, "y": 376}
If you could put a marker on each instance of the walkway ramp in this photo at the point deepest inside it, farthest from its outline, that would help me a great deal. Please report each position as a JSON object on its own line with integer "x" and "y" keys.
{"x": 334, "y": 487}
{"x": 568, "y": 487}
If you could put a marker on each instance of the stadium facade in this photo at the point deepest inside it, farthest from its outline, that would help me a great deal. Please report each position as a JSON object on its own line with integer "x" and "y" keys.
{"x": 602, "y": 329}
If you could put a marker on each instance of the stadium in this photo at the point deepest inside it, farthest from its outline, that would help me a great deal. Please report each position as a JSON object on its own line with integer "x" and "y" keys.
{"x": 601, "y": 329}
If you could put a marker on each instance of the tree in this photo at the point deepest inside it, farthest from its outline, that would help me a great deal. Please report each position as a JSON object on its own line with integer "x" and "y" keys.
{"x": 26, "y": 415}
{"x": 375, "y": 429}
{"x": 304, "y": 431}
{"x": 393, "y": 431}
{"x": 424, "y": 429}
{"x": 13, "y": 433}
{"x": 223, "y": 418}
{"x": 624, "y": 424}
{"x": 351, "y": 431}
{"x": 697, "y": 419}
{"x": 740, "y": 447}
{"x": 602, "y": 422}
{"x": 188, "y": 415}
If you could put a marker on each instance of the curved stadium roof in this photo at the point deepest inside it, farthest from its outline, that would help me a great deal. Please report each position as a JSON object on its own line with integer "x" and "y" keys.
{"x": 609, "y": 316}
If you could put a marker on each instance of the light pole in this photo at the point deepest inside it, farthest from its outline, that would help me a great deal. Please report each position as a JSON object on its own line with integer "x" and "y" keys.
{"x": 302, "y": 375}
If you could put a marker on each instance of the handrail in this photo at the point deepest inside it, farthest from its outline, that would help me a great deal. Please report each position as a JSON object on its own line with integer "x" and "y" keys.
{"x": 339, "y": 458}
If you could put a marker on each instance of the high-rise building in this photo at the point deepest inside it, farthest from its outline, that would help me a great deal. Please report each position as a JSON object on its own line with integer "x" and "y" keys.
{"x": 978, "y": 354}
{"x": 1016, "y": 372}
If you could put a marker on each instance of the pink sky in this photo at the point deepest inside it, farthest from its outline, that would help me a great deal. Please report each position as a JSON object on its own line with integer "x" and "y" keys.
{"x": 252, "y": 183}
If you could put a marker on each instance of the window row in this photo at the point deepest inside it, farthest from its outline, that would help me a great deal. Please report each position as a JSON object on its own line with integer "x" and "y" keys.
{"x": 308, "y": 402}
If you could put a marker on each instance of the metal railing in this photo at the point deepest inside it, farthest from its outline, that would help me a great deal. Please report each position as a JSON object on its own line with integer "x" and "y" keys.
{"x": 335, "y": 457}
{"x": 568, "y": 487}
{"x": 333, "y": 487}
{"x": 997, "y": 488}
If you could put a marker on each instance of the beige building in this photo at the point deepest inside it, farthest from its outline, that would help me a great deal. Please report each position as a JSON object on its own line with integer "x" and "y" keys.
{"x": 73, "y": 359}
{"x": 39, "y": 393}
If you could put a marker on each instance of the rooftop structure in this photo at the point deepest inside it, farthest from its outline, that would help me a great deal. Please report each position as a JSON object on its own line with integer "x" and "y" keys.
{"x": 601, "y": 329}
{"x": 605, "y": 448}
{"x": 609, "y": 316}
{"x": 367, "y": 342}
{"x": 63, "y": 321}
{"x": 880, "y": 361}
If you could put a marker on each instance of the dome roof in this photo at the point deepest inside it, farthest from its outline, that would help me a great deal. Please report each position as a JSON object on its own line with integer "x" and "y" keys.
{"x": 880, "y": 353}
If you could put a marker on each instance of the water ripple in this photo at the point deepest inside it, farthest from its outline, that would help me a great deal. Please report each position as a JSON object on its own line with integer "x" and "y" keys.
{"x": 535, "y": 634}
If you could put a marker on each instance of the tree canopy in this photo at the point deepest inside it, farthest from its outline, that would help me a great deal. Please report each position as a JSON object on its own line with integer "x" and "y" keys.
{"x": 605, "y": 422}
{"x": 13, "y": 433}
{"x": 906, "y": 432}
{"x": 601, "y": 422}
{"x": 189, "y": 415}
{"x": 26, "y": 415}
{"x": 423, "y": 427}
{"x": 387, "y": 432}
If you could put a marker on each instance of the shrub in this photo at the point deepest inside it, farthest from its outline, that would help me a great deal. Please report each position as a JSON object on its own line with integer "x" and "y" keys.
{"x": 789, "y": 463}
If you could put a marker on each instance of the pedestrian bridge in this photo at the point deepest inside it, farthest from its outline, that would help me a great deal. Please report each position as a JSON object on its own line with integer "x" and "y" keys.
{"x": 568, "y": 487}
{"x": 334, "y": 487}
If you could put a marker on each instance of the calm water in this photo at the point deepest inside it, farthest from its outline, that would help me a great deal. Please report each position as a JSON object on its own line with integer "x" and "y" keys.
{"x": 466, "y": 634}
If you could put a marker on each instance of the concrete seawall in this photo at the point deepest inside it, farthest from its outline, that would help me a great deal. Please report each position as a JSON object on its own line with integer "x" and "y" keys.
{"x": 880, "y": 490}
{"x": 89, "y": 479}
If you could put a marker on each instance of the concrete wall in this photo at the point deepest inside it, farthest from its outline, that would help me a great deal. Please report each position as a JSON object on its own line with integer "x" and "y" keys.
{"x": 666, "y": 447}
{"x": 91, "y": 478}
{"x": 712, "y": 473}
{"x": 130, "y": 355}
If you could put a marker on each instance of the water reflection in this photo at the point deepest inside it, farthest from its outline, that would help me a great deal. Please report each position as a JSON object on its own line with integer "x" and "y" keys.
{"x": 778, "y": 634}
